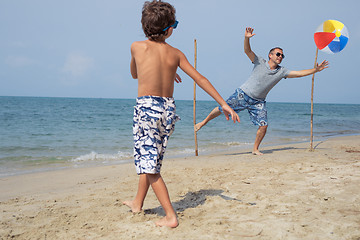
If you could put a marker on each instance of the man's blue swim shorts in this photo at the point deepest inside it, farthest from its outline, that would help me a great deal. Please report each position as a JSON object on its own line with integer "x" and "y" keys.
{"x": 239, "y": 101}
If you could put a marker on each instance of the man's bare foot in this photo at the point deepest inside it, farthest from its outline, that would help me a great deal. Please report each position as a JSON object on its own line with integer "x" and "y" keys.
{"x": 198, "y": 126}
{"x": 132, "y": 206}
{"x": 168, "y": 222}
{"x": 257, "y": 152}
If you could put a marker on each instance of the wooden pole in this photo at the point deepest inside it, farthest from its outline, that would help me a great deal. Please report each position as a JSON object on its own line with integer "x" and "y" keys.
{"x": 195, "y": 134}
{"x": 312, "y": 104}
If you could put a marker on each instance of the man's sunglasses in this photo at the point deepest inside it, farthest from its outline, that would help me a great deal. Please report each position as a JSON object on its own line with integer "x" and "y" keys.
{"x": 173, "y": 26}
{"x": 280, "y": 54}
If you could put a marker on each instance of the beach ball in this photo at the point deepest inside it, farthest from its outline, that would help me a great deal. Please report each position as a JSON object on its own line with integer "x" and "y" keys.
{"x": 331, "y": 36}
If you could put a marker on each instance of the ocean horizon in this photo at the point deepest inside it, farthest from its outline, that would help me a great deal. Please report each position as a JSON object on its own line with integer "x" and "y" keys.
{"x": 49, "y": 133}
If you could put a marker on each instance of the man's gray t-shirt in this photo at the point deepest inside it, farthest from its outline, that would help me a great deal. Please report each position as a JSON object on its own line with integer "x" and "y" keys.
{"x": 263, "y": 79}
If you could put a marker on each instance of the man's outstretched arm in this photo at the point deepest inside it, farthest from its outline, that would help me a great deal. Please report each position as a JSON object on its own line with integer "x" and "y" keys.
{"x": 247, "y": 49}
{"x": 306, "y": 72}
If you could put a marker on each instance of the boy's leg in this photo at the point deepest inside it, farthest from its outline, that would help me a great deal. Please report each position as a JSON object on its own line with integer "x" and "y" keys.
{"x": 259, "y": 137}
{"x": 138, "y": 202}
{"x": 159, "y": 187}
{"x": 213, "y": 114}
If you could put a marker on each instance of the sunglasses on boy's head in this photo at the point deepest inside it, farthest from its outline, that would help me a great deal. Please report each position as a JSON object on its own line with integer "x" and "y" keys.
{"x": 280, "y": 54}
{"x": 173, "y": 26}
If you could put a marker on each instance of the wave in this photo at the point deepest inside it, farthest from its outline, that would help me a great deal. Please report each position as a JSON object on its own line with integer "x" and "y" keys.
{"x": 104, "y": 158}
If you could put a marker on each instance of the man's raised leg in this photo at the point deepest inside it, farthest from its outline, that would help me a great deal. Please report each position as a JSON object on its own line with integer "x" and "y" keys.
{"x": 213, "y": 114}
{"x": 260, "y": 134}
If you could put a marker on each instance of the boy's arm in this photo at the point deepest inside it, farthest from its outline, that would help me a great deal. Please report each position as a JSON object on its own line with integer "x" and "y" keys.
{"x": 247, "y": 49}
{"x": 205, "y": 84}
{"x": 306, "y": 72}
{"x": 132, "y": 62}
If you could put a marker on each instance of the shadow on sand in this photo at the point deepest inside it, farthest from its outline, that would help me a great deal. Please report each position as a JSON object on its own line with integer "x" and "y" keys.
{"x": 192, "y": 200}
{"x": 264, "y": 151}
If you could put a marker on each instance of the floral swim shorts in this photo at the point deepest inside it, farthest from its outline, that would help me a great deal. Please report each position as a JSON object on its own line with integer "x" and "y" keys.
{"x": 153, "y": 123}
{"x": 257, "y": 109}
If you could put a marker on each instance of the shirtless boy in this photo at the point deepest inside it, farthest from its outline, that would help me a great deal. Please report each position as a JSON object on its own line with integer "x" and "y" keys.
{"x": 154, "y": 64}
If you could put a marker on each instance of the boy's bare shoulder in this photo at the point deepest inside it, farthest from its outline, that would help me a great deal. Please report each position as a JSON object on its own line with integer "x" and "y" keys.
{"x": 138, "y": 44}
{"x": 177, "y": 51}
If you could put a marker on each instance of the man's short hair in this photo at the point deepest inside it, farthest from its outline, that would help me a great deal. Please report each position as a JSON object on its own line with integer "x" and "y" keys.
{"x": 271, "y": 50}
{"x": 157, "y": 15}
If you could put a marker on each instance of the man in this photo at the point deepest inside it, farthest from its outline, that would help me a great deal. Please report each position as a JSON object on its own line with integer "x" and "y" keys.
{"x": 251, "y": 95}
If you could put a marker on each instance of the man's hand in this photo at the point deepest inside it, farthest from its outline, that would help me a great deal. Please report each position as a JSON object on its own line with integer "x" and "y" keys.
{"x": 249, "y": 32}
{"x": 322, "y": 66}
{"x": 177, "y": 78}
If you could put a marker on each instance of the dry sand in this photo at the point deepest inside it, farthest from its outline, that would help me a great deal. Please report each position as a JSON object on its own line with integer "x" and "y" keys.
{"x": 289, "y": 193}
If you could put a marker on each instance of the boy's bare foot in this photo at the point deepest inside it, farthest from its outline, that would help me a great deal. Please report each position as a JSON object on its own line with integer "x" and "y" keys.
{"x": 257, "y": 152}
{"x": 198, "y": 126}
{"x": 168, "y": 222}
{"x": 132, "y": 206}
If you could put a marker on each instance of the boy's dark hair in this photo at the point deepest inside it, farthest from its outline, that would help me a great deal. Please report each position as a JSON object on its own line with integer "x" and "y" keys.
{"x": 157, "y": 15}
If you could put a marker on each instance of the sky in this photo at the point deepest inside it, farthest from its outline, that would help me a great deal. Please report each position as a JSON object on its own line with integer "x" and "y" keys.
{"x": 81, "y": 48}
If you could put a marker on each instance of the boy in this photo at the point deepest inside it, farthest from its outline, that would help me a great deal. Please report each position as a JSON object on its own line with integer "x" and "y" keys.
{"x": 154, "y": 64}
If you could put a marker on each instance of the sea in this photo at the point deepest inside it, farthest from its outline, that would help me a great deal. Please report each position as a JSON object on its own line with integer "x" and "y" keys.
{"x": 45, "y": 133}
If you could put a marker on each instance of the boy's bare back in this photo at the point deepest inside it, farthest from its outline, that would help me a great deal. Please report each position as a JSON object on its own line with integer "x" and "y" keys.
{"x": 154, "y": 64}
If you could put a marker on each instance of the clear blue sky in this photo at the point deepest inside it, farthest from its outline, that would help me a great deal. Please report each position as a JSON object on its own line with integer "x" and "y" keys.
{"x": 81, "y": 48}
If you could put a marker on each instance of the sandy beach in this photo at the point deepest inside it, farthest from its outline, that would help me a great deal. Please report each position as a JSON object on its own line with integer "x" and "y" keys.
{"x": 288, "y": 193}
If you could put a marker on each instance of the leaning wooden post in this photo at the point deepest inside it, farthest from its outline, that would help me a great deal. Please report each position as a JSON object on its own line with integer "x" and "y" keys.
{"x": 312, "y": 104}
{"x": 195, "y": 134}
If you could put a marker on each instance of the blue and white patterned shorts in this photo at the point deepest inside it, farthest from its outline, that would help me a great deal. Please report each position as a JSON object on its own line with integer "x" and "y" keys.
{"x": 154, "y": 122}
{"x": 257, "y": 109}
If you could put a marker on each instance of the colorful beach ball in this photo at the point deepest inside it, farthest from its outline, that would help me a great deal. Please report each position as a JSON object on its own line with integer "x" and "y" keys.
{"x": 331, "y": 36}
